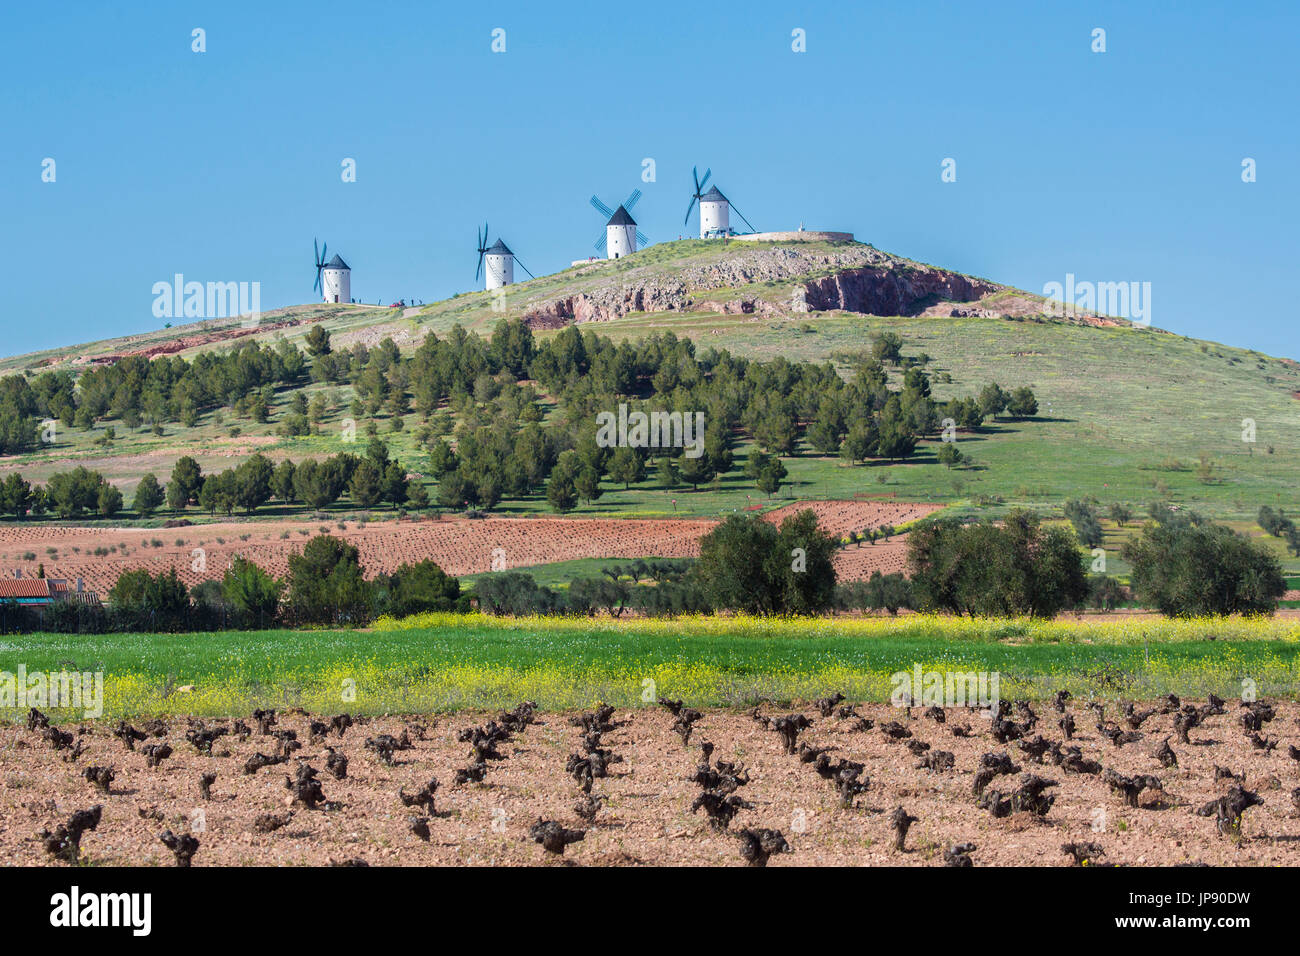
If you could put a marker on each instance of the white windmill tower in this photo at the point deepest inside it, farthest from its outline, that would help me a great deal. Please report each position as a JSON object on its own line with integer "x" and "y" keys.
{"x": 715, "y": 213}
{"x": 499, "y": 260}
{"x": 715, "y": 208}
{"x": 333, "y": 278}
{"x": 621, "y": 234}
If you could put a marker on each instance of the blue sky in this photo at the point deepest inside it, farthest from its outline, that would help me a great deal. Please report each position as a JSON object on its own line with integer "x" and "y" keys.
{"x": 1115, "y": 166}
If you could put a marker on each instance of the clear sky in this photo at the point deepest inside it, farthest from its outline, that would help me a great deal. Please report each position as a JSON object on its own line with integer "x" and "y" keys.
{"x": 1117, "y": 166}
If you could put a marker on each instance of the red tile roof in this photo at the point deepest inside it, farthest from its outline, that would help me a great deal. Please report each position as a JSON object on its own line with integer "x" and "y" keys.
{"x": 24, "y": 588}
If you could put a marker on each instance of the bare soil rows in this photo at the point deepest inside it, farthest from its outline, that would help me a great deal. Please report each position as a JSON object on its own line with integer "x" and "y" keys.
{"x": 458, "y": 545}
{"x": 647, "y": 815}
{"x": 857, "y": 563}
{"x": 838, "y": 518}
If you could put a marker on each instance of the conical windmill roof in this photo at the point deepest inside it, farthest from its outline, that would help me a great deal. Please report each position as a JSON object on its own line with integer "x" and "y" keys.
{"x": 713, "y": 195}
{"x": 621, "y": 218}
{"x": 498, "y": 248}
{"x": 337, "y": 263}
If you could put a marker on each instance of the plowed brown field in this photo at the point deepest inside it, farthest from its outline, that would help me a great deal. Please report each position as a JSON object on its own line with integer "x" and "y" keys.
{"x": 459, "y": 545}
{"x": 648, "y": 816}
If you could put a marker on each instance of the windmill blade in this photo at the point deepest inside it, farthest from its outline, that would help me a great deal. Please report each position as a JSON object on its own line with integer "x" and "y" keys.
{"x": 741, "y": 215}
{"x": 324, "y": 252}
{"x": 687, "y": 220}
{"x": 641, "y": 239}
{"x": 482, "y": 248}
{"x": 601, "y": 207}
{"x": 524, "y": 267}
{"x": 633, "y": 198}
{"x": 600, "y": 244}
{"x": 700, "y": 184}
{"x": 316, "y": 249}
{"x": 316, "y": 286}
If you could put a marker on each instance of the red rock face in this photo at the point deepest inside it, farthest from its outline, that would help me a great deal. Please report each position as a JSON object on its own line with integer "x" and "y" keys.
{"x": 606, "y": 304}
{"x": 886, "y": 288}
{"x": 892, "y": 290}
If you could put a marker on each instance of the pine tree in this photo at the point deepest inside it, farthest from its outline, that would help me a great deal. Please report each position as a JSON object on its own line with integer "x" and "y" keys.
{"x": 149, "y": 496}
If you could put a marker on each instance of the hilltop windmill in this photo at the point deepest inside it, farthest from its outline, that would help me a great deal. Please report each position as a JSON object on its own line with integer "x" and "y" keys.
{"x": 715, "y": 208}
{"x": 500, "y": 262}
{"x": 333, "y": 278}
{"x": 621, "y": 234}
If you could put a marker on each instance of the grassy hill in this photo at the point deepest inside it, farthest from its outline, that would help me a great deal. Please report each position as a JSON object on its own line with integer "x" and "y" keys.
{"x": 1126, "y": 413}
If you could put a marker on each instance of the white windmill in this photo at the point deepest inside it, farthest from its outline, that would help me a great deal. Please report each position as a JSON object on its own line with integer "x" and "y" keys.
{"x": 715, "y": 208}
{"x": 333, "y": 278}
{"x": 499, "y": 261}
{"x": 621, "y": 234}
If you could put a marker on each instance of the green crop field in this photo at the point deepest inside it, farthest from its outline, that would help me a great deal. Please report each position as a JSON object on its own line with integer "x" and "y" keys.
{"x": 448, "y": 662}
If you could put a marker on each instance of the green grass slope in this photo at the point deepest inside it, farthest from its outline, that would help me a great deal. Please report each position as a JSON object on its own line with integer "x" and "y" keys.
{"x": 1126, "y": 413}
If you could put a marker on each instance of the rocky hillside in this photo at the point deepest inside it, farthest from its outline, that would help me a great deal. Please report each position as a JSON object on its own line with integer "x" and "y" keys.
{"x": 783, "y": 278}
{"x": 779, "y": 279}
{"x": 1128, "y": 414}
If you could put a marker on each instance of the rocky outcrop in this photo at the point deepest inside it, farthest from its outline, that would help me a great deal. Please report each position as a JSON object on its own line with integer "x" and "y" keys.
{"x": 606, "y": 304}
{"x": 733, "y": 307}
{"x": 741, "y": 267}
{"x": 856, "y": 278}
{"x": 892, "y": 290}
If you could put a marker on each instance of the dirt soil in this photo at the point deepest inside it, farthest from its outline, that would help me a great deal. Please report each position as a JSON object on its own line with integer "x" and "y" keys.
{"x": 648, "y": 817}
{"x": 458, "y": 545}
